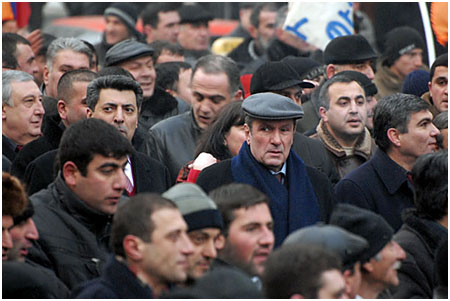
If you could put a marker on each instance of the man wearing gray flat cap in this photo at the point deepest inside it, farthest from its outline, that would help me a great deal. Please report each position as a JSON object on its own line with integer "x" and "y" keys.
{"x": 300, "y": 195}
{"x": 137, "y": 58}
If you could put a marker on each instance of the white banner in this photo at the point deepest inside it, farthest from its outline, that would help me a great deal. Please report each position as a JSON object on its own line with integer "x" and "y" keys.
{"x": 318, "y": 23}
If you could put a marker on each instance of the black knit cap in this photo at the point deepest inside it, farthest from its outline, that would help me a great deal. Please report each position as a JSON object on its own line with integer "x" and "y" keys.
{"x": 369, "y": 87}
{"x": 273, "y": 76}
{"x": 127, "y": 12}
{"x": 348, "y": 246}
{"x": 400, "y": 41}
{"x": 365, "y": 223}
{"x": 301, "y": 65}
{"x": 194, "y": 14}
{"x": 351, "y": 49}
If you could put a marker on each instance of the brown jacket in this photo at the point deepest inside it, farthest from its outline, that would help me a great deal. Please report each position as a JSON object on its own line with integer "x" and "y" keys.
{"x": 426, "y": 96}
{"x": 363, "y": 151}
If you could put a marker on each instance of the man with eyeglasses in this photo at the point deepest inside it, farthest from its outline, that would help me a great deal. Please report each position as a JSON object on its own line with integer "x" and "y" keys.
{"x": 282, "y": 79}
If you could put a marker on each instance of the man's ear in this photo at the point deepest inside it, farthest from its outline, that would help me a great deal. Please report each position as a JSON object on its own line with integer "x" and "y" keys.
{"x": 429, "y": 89}
{"x": 62, "y": 109}
{"x": 323, "y": 114}
{"x": 247, "y": 133}
{"x": 148, "y": 30}
{"x": 394, "y": 136}
{"x": 368, "y": 266}
{"x": 133, "y": 247}
{"x": 238, "y": 95}
{"x": 45, "y": 75}
{"x": 331, "y": 71}
{"x": 71, "y": 173}
{"x": 253, "y": 31}
{"x": 297, "y": 296}
{"x": 4, "y": 112}
{"x": 89, "y": 113}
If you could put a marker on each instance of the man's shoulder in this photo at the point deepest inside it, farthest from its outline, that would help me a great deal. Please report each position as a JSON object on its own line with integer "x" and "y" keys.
{"x": 173, "y": 123}
{"x": 215, "y": 175}
{"x": 95, "y": 289}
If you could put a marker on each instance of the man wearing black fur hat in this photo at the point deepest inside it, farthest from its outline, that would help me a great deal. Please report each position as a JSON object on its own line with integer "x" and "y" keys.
{"x": 402, "y": 54}
{"x": 120, "y": 19}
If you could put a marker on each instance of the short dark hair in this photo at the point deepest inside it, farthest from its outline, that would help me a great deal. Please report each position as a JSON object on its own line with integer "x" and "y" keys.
{"x": 394, "y": 111}
{"x": 430, "y": 180}
{"x": 115, "y": 70}
{"x": 231, "y": 197}
{"x": 324, "y": 95}
{"x": 160, "y": 45}
{"x": 266, "y": 6}
{"x": 151, "y": 11}
{"x": 441, "y": 120}
{"x": 134, "y": 217}
{"x": 441, "y": 60}
{"x": 116, "y": 82}
{"x": 297, "y": 269}
{"x": 89, "y": 137}
{"x": 10, "y": 42}
{"x": 215, "y": 64}
{"x": 9, "y": 61}
{"x": 65, "y": 83}
{"x": 92, "y": 63}
{"x": 168, "y": 74}
{"x": 212, "y": 140}
{"x": 47, "y": 39}
{"x": 14, "y": 198}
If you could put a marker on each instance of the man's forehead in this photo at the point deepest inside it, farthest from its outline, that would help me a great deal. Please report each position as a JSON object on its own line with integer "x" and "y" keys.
{"x": 138, "y": 60}
{"x": 115, "y": 95}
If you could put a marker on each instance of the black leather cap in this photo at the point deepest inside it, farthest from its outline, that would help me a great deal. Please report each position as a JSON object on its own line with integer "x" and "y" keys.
{"x": 274, "y": 76}
{"x": 126, "y": 50}
{"x": 194, "y": 14}
{"x": 351, "y": 49}
{"x": 271, "y": 106}
{"x": 348, "y": 246}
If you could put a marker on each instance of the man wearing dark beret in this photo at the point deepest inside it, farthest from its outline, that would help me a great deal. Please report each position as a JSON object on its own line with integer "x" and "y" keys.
{"x": 384, "y": 256}
{"x": 300, "y": 195}
{"x": 403, "y": 51}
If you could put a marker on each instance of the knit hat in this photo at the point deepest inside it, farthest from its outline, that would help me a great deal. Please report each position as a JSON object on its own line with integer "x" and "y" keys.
{"x": 351, "y": 49}
{"x": 127, "y": 13}
{"x": 194, "y": 14}
{"x": 365, "y": 223}
{"x": 416, "y": 83}
{"x": 272, "y": 76}
{"x": 369, "y": 87}
{"x": 198, "y": 210}
{"x": 348, "y": 246}
{"x": 400, "y": 41}
{"x": 126, "y": 50}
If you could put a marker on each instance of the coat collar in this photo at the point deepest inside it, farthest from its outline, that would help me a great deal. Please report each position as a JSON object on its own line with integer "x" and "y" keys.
{"x": 391, "y": 174}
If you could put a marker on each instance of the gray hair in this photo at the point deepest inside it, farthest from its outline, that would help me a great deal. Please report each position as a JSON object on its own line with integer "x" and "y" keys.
{"x": 73, "y": 44}
{"x": 214, "y": 64}
{"x": 12, "y": 76}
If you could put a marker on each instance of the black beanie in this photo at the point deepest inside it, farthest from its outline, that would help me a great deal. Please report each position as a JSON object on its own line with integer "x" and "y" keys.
{"x": 365, "y": 223}
{"x": 400, "y": 41}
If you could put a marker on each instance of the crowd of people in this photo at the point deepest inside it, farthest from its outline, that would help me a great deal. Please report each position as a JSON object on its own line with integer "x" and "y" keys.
{"x": 151, "y": 166}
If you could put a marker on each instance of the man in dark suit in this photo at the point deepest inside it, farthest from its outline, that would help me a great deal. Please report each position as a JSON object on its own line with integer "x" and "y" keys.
{"x": 300, "y": 195}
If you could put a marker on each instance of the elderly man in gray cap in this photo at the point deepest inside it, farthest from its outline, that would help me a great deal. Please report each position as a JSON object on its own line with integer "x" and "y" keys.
{"x": 300, "y": 195}
{"x": 348, "y": 246}
{"x": 137, "y": 58}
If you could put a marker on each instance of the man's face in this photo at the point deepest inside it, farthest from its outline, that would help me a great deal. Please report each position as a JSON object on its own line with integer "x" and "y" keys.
{"x": 333, "y": 285}
{"x": 194, "y": 36}
{"x": 346, "y": 116}
{"x": 385, "y": 270}
{"x": 270, "y": 141}
{"x": 184, "y": 90}
{"x": 75, "y": 107}
{"x": 166, "y": 256}
{"x": 294, "y": 93}
{"x": 210, "y": 93}
{"x": 168, "y": 26}
{"x": 115, "y": 30}
{"x": 408, "y": 62}
{"x": 103, "y": 184}
{"x": 266, "y": 29}
{"x": 204, "y": 241}
{"x": 7, "y": 244}
{"x": 250, "y": 238}
{"x": 26, "y": 59}
{"x": 371, "y": 103}
{"x": 22, "y": 122}
{"x": 64, "y": 61}
{"x": 353, "y": 280}
{"x": 364, "y": 67}
{"x": 22, "y": 235}
{"x": 144, "y": 73}
{"x": 439, "y": 88}
{"x": 118, "y": 108}
{"x": 421, "y": 136}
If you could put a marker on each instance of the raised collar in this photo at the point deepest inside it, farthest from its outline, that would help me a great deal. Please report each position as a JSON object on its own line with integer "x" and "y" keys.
{"x": 391, "y": 174}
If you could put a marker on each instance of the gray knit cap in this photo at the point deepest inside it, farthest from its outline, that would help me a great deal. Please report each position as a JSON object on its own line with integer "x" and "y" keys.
{"x": 198, "y": 210}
